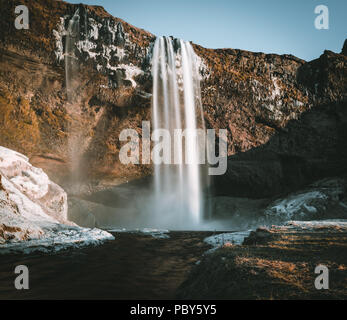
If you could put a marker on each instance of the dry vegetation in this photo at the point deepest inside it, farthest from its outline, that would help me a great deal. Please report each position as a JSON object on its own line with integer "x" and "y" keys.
{"x": 281, "y": 267}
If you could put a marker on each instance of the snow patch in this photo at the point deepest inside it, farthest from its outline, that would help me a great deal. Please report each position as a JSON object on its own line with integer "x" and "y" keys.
{"x": 219, "y": 240}
{"x": 311, "y": 225}
{"x": 87, "y": 46}
{"x": 155, "y": 233}
{"x": 131, "y": 72}
{"x": 277, "y": 89}
{"x": 58, "y": 238}
{"x": 58, "y": 35}
{"x": 202, "y": 67}
{"x": 295, "y": 204}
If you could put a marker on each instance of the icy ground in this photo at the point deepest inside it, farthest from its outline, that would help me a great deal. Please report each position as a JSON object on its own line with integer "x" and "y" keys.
{"x": 222, "y": 239}
{"x": 155, "y": 233}
{"x": 237, "y": 238}
{"x": 58, "y": 238}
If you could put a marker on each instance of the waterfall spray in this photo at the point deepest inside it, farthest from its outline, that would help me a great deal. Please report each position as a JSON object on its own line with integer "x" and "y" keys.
{"x": 177, "y": 105}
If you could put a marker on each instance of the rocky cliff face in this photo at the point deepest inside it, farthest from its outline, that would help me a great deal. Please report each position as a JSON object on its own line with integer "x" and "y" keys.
{"x": 286, "y": 118}
{"x": 110, "y": 83}
{"x": 304, "y": 145}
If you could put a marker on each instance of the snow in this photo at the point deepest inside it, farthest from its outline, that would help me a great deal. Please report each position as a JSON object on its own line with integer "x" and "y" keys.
{"x": 58, "y": 35}
{"x": 57, "y": 238}
{"x": 33, "y": 182}
{"x": 33, "y": 211}
{"x": 202, "y": 67}
{"x": 219, "y": 240}
{"x": 298, "y": 103}
{"x": 112, "y": 30}
{"x": 7, "y": 157}
{"x": 90, "y": 44}
{"x": 30, "y": 188}
{"x": 317, "y": 224}
{"x": 155, "y": 233}
{"x": 27, "y": 209}
{"x": 87, "y": 46}
{"x": 108, "y": 51}
{"x": 94, "y": 32}
{"x": 295, "y": 204}
{"x": 237, "y": 238}
{"x": 120, "y": 53}
{"x": 277, "y": 91}
{"x": 131, "y": 71}
{"x": 10, "y": 217}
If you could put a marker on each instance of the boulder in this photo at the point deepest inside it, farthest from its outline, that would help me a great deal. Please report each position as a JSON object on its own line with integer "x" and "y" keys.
{"x": 33, "y": 210}
{"x": 325, "y": 199}
{"x": 23, "y": 178}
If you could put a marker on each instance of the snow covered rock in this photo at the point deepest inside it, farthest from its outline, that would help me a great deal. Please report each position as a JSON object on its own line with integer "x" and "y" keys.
{"x": 325, "y": 199}
{"x": 24, "y": 179}
{"x": 222, "y": 239}
{"x": 33, "y": 210}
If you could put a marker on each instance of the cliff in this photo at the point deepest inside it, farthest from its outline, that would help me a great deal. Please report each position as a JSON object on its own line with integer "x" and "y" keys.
{"x": 286, "y": 118}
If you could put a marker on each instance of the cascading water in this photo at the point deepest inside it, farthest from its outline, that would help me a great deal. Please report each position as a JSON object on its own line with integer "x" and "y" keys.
{"x": 177, "y": 105}
{"x": 72, "y": 82}
{"x": 71, "y": 61}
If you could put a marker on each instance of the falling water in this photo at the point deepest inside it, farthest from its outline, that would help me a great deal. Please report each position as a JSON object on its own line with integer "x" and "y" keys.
{"x": 75, "y": 141}
{"x": 71, "y": 61}
{"x": 177, "y": 105}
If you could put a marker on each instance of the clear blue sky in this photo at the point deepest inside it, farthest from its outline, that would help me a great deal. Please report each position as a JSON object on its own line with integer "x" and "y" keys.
{"x": 271, "y": 26}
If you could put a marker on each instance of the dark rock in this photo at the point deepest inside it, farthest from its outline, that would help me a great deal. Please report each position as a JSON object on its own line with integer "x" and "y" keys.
{"x": 344, "y": 49}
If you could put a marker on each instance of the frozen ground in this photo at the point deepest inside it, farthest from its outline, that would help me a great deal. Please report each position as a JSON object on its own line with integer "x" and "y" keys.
{"x": 57, "y": 238}
{"x": 155, "y": 233}
{"x": 311, "y": 225}
{"x": 222, "y": 239}
{"x": 237, "y": 238}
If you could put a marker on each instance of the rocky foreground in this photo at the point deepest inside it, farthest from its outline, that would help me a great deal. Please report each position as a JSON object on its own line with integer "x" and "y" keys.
{"x": 274, "y": 263}
{"x": 33, "y": 210}
{"x": 133, "y": 266}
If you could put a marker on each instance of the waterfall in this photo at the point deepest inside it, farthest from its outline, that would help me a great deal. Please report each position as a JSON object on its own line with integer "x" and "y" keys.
{"x": 177, "y": 105}
{"x": 75, "y": 141}
{"x": 71, "y": 61}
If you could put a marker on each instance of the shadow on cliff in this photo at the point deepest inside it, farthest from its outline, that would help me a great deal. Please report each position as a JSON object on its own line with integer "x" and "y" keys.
{"x": 308, "y": 149}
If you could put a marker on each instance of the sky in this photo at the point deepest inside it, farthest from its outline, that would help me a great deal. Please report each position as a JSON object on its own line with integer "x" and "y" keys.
{"x": 270, "y": 26}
